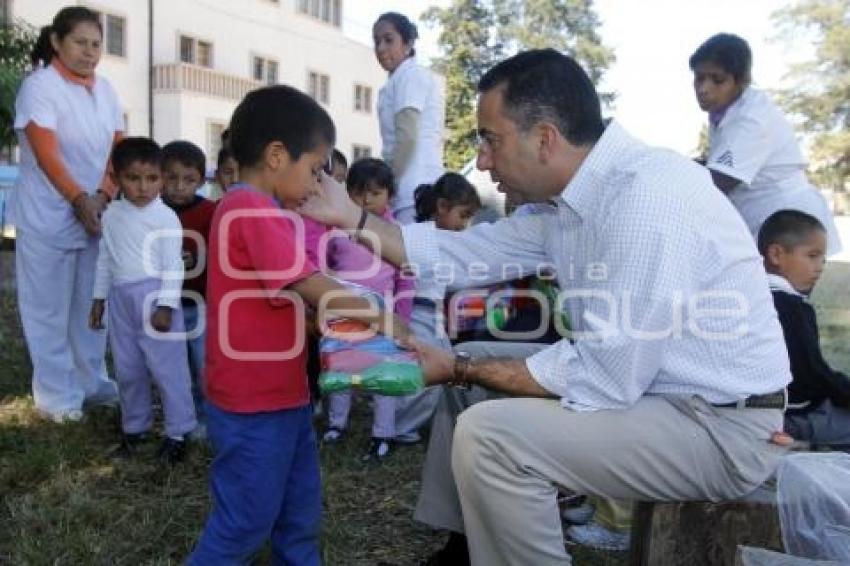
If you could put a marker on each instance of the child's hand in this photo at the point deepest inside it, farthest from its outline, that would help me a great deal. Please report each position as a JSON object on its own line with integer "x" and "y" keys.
{"x": 96, "y": 314}
{"x": 161, "y": 319}
{"x": 330, "y": 204}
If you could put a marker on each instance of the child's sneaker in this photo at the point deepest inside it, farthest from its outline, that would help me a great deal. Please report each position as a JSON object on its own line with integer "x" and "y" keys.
{"x": 379, "y": 449}
{"x": 332, "y": 435}
{"x": 171, "y": 451}
{"x": 594, "y": 535}
{"x": 129, "y": 444}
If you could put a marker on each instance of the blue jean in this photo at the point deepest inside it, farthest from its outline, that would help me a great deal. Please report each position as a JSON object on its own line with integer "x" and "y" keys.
{"x": 193, "y": 314}
{"x": 265, "y": 483}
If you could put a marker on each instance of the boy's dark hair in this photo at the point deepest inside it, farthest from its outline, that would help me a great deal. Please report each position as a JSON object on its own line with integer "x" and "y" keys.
{"x": 729, "y": 52}
{"x": 223, "y": 155}
{"x": 282, "y": 114}
{"x": 545, "y": 85}
{"x": 63, "y": 23}
{"x": 130, "y": 150}
{"x": 452, "y": 187}
{"x": 338, "y": 158}
{"x": 370, "y": 170}
{"x": 402, "y": 24}
{"x": 788, "y": 228}
{"x": 185, "y": 153}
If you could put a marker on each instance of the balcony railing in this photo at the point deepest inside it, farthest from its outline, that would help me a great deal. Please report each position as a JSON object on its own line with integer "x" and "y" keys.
{"x": 182, "y": 77}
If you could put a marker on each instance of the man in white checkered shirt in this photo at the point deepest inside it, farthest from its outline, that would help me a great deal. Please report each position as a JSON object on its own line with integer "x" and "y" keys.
{"x": 670, "y": 386}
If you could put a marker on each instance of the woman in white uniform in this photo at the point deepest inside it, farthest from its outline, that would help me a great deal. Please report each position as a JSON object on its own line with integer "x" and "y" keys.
{"x": 410, "y": 112}
{"x": 753, "y": 154}
{"x": 66, "y": 120}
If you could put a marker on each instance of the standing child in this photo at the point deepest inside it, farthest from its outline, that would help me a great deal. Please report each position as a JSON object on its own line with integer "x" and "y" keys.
{"x": 371, "y": 185}
{"x": 226, "y": 172}
{"x": 184, "y": 166}
{"x": 265, "y": 478}
{"x": 140, "y": 259}
{"x": 793, "y": 245}
{"x": 450, "y": 203}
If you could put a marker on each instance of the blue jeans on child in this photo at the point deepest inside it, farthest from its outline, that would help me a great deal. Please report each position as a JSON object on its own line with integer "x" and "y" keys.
{"x": 193, "y": 314}
{"x": 265, "y": 483}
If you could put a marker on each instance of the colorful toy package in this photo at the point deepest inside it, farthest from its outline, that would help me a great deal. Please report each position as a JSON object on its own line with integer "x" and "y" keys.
{"x": 353, "y": 356}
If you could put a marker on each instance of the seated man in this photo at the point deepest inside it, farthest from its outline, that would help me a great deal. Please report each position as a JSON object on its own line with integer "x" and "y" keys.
{"x": 671, "y": 382}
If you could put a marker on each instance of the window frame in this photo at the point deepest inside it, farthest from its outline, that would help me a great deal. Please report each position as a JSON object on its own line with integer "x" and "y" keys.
{"x": 103, "y": 15}
{"x": 195, "y": 42}
{"x": 322, "y": 86}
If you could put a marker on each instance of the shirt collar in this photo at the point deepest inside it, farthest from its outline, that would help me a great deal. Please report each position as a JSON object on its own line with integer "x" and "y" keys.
{"x": 407, "y": 63}
{"x": 582, "y": 192}
{"x": 779, "y": 283}
{"x": 69, "y": 76}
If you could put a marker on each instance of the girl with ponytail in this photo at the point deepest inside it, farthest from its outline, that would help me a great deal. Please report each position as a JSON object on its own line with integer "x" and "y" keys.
{"x": 450, "y": 202}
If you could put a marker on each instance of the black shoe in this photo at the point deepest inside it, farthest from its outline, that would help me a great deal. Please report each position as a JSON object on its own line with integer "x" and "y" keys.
{"x": 129, "y": 445}
{"x": 455, "y": 553}
{"x": 171, "y": 451}
{"x": 379, "y": 450}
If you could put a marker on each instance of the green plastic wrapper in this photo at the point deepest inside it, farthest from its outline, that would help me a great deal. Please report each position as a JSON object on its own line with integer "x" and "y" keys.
{"x": 384, "y": 378}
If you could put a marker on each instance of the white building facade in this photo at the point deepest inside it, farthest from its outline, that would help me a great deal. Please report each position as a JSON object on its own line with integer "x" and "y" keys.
{"x": 180, "y": 67}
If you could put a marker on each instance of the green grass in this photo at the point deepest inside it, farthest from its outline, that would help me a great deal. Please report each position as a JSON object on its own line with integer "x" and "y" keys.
{"x": 63, "y": 501}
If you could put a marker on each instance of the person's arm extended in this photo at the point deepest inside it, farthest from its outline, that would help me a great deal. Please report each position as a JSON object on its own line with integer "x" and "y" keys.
{"x": 334, "y": 207}
{"x": 45, "y": 148}
{"x": 724, "y": 182}
{"x": 406, "y": 124}
{"x": 506, "y": 375}
{"x": 326, "y": 295}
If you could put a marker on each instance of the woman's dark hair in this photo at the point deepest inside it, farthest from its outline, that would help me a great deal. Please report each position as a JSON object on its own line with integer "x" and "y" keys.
{"x": 402, "y": 24}
{"x": 338, "y": 158}
{"x": 282, "y": 114}
{"x": 185, "y": 153}
{"x": 451, "y": 187}
{"x": 729, "y": 52}
{"x": 545, "y": 85}
{"x": 64, "y": 23}
{"x": 370, "y": 170}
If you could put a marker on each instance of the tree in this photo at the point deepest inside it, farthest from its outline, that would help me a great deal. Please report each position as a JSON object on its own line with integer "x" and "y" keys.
{"x": 566, "y": 25}
{"x": 820, "y": 95}
{"x": 16, "y": 43}
{"x": 465, "y": 30}
{"x": 476, "y": 33}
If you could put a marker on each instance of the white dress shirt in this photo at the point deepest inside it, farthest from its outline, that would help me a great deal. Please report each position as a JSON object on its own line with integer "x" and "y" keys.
{"x": 141, "y": 243}
{"x": 662, "y": 282}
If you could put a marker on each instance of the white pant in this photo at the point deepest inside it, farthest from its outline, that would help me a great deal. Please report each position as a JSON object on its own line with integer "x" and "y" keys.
{"x": 54, "y": 298}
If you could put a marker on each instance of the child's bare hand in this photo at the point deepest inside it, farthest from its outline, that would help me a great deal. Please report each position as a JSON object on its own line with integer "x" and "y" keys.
{"x": 161, "y": 319}
{"x": 330, "y": 204}
{"x": 96, "y": 314}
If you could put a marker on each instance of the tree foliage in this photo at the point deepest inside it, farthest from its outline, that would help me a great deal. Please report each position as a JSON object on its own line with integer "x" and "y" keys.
{"x": 820, "y": 93}
{"x": 474, "y": 34}
{"x": 16, "y": 43}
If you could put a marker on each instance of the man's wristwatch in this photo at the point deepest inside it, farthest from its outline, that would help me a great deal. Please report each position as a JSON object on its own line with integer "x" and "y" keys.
{"x": 460, "y": 374}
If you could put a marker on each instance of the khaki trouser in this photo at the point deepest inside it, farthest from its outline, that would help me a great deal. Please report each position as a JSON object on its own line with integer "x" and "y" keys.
{"x": 493, "y": 472}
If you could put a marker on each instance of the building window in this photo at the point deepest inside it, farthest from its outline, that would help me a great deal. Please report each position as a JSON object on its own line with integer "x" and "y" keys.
{"x": 363, "y": 98}
{"x": 214, "y": 131}
{"x": 319, "y": 87}
{"x": 360, "y": 152}
{"x": 264, "y": 70}
{"x": 329, "y": 11}
{"x": 114, "y": 33}
{"x": 195, "y": 51}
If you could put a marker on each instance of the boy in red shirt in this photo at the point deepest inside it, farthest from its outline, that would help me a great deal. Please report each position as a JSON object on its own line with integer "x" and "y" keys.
{"x": 184, "y": 167}
{"x": 265, "y": 475}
